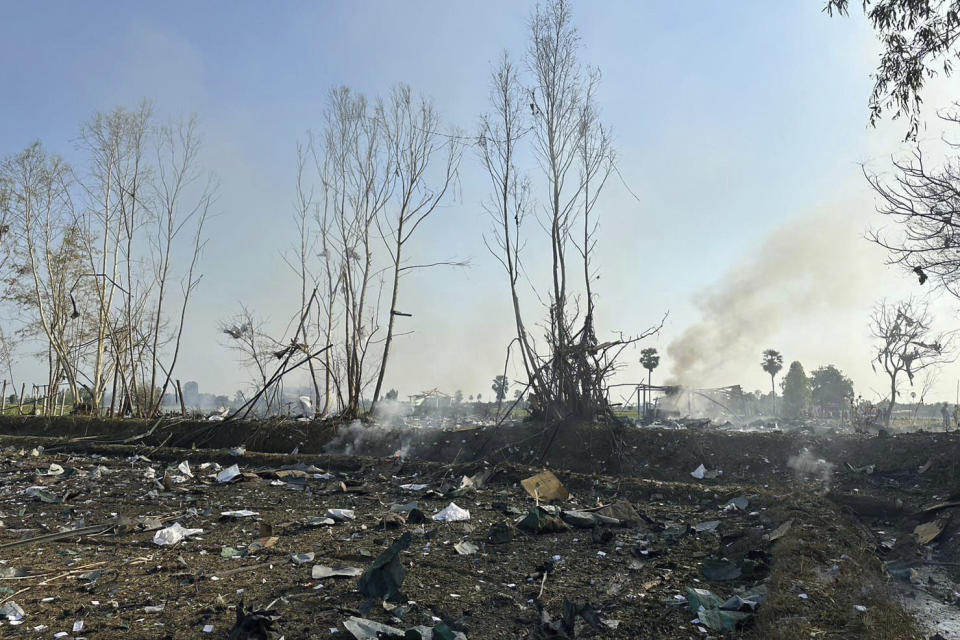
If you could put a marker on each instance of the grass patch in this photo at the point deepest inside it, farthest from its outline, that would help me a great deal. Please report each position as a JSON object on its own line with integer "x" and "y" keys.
{"x": 825, "y": 558}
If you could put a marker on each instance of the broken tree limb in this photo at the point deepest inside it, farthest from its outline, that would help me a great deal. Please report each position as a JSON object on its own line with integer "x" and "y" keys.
{"x": 60, "y": 535}
{"x": 284, "y": 369}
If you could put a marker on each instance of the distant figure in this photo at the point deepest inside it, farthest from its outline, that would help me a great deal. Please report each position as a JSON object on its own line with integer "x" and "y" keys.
{"x": 945, "y": 413}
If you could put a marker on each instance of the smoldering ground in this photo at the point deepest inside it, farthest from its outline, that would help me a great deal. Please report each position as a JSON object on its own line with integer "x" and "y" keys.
{"x": 358, "y": 438}
{"x": 808, "y": 467}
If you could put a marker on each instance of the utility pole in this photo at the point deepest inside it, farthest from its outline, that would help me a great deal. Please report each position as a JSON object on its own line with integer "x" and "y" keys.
{"x": 639, "y": 417}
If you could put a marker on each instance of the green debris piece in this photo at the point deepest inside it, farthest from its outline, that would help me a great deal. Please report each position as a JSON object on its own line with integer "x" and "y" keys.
{"x": 230, "y": 552}
{"x": 42, "y": 495}
{"x": 385, "y": 576}
{"x": 728, "y": 615}
{"x": 720, "y": 569}
{"x": 899, "y": 569}
{"x": 701, "y": 599}
{"x": 539, "y": 521}
{"x": 720, "y": 620}
{"x": 443, "y": 632}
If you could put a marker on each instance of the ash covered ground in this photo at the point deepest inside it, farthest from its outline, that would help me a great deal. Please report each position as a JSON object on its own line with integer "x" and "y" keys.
{"x": 841, "y": 537}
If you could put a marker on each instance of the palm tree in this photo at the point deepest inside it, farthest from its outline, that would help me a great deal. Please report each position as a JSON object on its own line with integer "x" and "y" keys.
{"x": 649, "y": 360}
{"x": 772, "y": 363}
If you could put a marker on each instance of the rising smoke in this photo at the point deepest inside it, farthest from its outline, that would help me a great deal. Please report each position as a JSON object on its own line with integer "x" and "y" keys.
{"x": 816, "y": 263}
{"x": 809, "y": 467}
{"x": 375, "y": 440}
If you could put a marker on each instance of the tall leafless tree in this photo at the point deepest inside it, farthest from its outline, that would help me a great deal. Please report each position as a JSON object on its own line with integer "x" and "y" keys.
{"x": 412, "y": 131}
{"x": 574, "y": 154}
{"x": 46, "y": 257}
{"x": 500, "y": 135}
{"x": 183, "y": 194}
{"x": 359, "y": 177}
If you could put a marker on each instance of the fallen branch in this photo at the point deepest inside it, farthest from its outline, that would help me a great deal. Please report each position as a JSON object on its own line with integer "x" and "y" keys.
{"x": 60, "y": 535}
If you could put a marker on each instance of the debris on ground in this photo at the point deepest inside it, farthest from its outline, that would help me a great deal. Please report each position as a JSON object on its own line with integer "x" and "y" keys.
{"x": 452, "y": 513}
{"x": 701, "y": 473}
{"x": 450, "y": 551}
{"x": 545, "y": 486}
{"x": 254, "y": 624}
{"x": 173, "y": 534}
{"x": 383, "y": 579}
{"x": 321, "y": 572}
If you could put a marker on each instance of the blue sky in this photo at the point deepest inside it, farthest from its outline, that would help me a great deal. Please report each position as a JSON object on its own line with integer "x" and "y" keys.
{"x": 731, "y": 120}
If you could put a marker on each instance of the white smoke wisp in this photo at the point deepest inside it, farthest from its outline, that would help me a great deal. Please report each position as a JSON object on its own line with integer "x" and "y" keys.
{"x": 390, "y": 412}
{"x": 807, "y": 466}
{"x": 816, "y": 263}
{"x": 375, "y": 440}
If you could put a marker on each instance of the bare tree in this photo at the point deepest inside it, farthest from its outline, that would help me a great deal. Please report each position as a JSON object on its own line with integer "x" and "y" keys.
{"x": 46, "y": 256}
{"x": 574, "y": 154}
{"x": 358, "y": 175}
{"x": 7, "y": 248}
{"x": 907, "y": 344}
{"x": 184, "y": 195}
{"x": 104, "y": 222}
{"x": 331, "y": 281}
{"x": 306, "y": 217}
{"x": 411, "y": 128}
{"x": 509, "y": 201}
{"x": 924, "y": 201}
{"x": 246, "y": 335}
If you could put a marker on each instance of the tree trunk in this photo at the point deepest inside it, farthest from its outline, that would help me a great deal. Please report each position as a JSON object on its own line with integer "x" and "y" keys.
{"x": 393, "y": 315}
{"x": 893, "y": 401}
{"x": 773, "y": 393}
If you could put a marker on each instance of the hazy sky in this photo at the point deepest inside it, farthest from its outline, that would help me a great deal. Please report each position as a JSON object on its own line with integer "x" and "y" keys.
{"x": 736, "y": 124}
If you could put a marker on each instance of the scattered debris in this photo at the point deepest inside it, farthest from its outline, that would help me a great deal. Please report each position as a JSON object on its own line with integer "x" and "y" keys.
{"x": 740, "y": 502}
{"x": 867, "y": 469}
{"x": 622, "y": 511}
{"x": 539, "y": 520}
{"x": 302, "y": 558}
{"x": 466, "y": 548}
{"x": 929, "y": 531}
{"x": 545, "y": 486}
{"x": 363, "y": 629}
{"x": 385, "y": 576}
{"x": 452, "y": 513}
{"x": 254, "y": 624}
{"x": 173, "y": 534}
{"x": 780, "y": 531}
{"x": 241, "y": 513}
{"x": 500, "y": 533}
{"x": 321, "y": 572}
{"x": 12, "y": 611}
{"x": 341, "y": 515}
{"x": 41, "y": 494}
{"x": 701, "y": 473}
{"x": 724, "y": 615}
{"x": 705, "y": 527}
{"x": 229, "y": 474}
{"x": 565, "y": 625}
